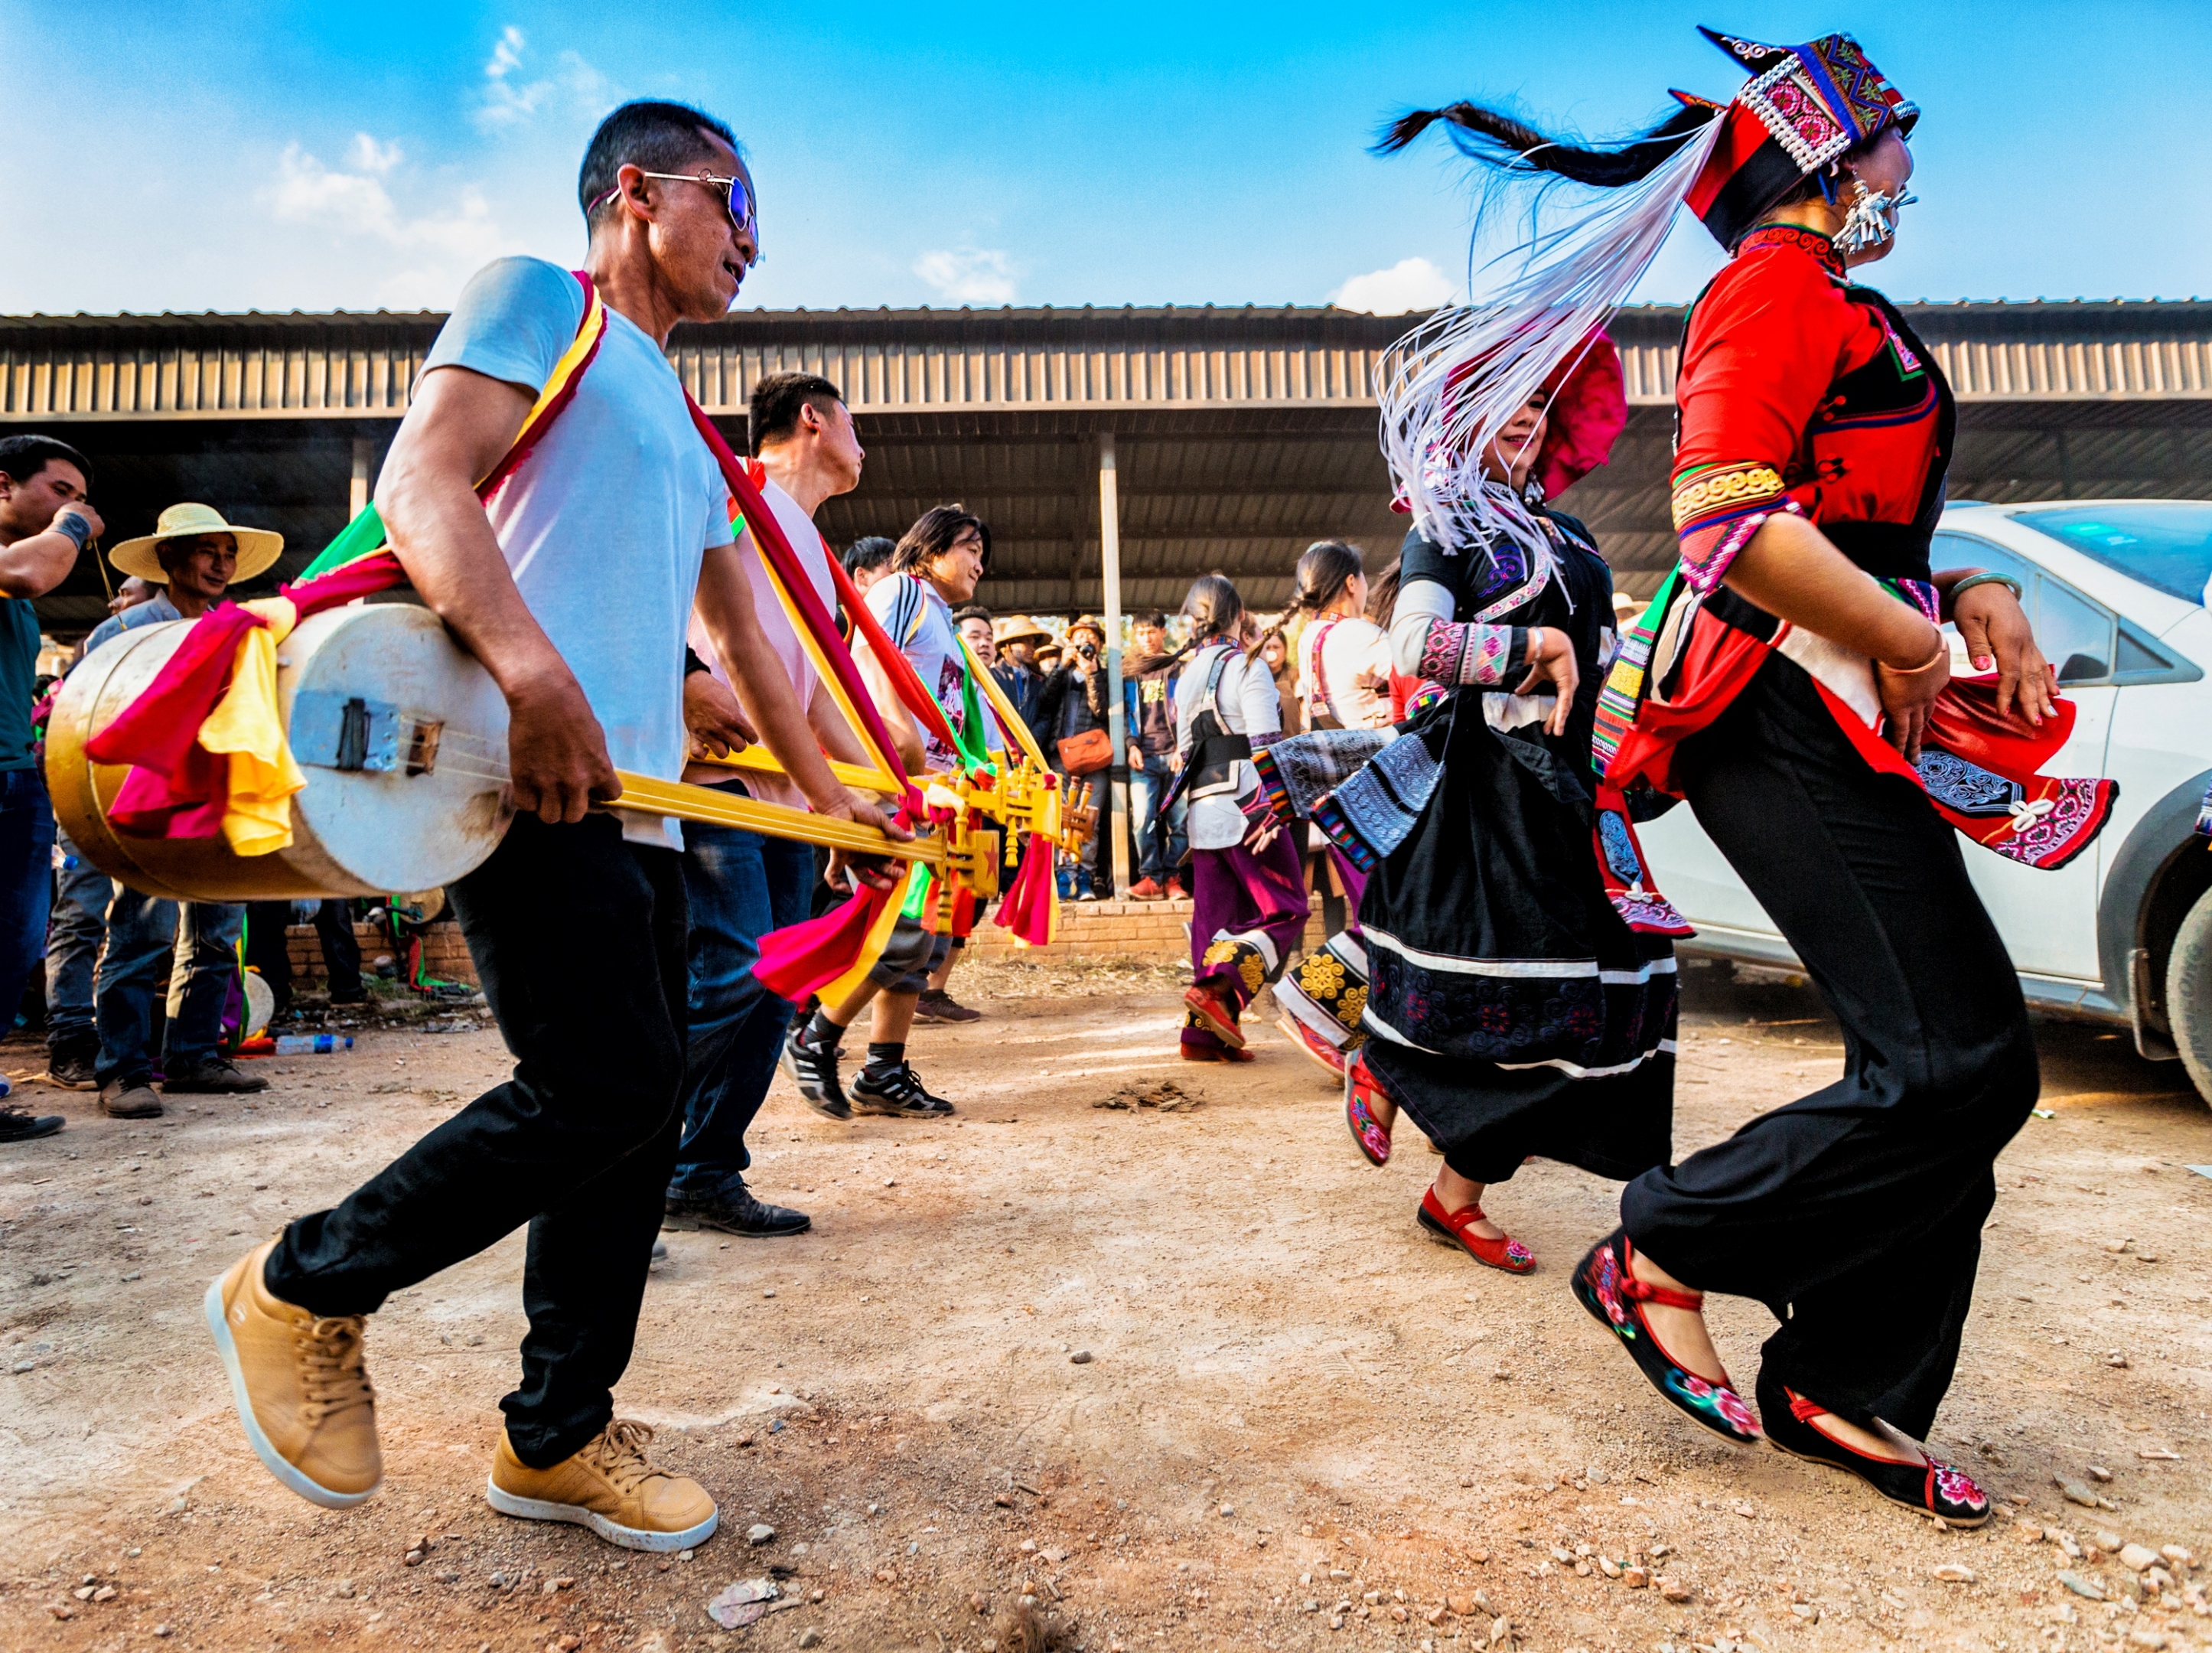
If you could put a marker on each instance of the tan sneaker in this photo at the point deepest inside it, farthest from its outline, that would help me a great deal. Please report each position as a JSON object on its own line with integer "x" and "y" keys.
{"x": 612, "y": 1487}
{"x": 300, "y": 1386}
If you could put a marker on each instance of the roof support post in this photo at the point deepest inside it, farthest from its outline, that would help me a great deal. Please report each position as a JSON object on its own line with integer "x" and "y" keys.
{"x": 1109, "y": 557}
{"x": 357, "y": 494}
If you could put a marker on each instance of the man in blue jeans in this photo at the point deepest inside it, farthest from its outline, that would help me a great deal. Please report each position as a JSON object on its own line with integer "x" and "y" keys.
{"x": 1148, "y": 698}
{"x": 742, "y": 885}
{"x": 44, "y": 524}
{"x": 188, "y": 949}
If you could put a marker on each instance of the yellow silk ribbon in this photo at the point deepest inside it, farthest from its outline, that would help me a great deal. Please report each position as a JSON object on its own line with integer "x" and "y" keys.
{"x": 245, "y": 726}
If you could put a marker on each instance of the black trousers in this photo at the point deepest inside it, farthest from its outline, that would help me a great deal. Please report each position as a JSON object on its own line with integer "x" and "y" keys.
{"x": 1854, "y": 1213}
{"x": 579, "y": 1144}
{"x": 266, "y": 923}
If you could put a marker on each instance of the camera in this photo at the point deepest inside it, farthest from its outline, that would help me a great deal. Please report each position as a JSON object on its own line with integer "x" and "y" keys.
{"x": 1089, "y": 650}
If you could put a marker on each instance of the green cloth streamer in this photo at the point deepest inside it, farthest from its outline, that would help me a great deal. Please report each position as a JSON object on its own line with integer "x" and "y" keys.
{"x": 359, "y": 538}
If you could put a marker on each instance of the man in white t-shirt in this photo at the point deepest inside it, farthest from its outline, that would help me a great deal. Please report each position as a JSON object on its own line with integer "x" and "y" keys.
{"x": 574, "y": 587}
{"x": 741, "y": 885}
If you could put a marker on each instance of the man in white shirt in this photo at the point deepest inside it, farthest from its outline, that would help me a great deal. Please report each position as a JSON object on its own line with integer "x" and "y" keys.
{"x": 742, "y": 885}
{"x": 574, "y": 587}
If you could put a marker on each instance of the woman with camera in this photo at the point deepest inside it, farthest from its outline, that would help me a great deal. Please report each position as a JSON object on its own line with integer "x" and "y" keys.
{"x": 1070, "y": 723}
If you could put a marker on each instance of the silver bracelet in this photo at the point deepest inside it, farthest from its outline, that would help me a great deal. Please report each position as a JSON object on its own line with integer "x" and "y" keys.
{"x": 1974, "y": 580}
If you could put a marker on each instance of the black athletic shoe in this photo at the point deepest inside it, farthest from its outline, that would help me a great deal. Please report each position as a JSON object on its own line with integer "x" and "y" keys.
{"x": 753, "y": 1220}
{"x": 897, "y": 1090}
{"x": 218, "y": 1078}
{"x": 22, "y": 1125}
{"x": 72, "y": 1069}
{"x": 814, "y": 1071}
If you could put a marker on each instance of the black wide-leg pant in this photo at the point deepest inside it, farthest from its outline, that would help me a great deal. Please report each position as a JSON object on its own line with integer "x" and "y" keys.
{"x": 1854, "y": 1213}
{"x": 579, "y": 939}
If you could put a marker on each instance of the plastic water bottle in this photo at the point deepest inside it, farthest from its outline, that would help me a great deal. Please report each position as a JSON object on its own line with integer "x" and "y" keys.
{"x": 312, "y": 1044}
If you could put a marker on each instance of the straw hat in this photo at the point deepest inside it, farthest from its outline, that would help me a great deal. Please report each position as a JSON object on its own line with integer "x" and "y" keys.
{"x": 258, "y": 548}
{"x": 1019, "y": 629}
{"x": 1089, "y": 622}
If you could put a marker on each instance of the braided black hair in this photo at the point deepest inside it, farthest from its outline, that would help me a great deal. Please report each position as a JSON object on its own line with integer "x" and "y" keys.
{"x": 1487, "y": 134}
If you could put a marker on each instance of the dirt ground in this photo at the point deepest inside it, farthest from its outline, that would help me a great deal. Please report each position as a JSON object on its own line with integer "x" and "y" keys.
{"x": 1298, "y": 1424}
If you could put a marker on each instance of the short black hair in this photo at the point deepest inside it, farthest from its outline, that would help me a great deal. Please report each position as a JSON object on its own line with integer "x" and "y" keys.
{"x": 1150, "y": 617}
{"x": 658, "y": 137}
{"x": 23, "y": 457}
{"x": 772, "y": 413}
{"x": 933, "y": 535}
{"x": 870, "y": 553}
{"x": 973, "y": 612}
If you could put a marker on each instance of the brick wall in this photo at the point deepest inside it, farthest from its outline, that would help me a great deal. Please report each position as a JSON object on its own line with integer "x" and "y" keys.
{"x": 445, "y": 955}
{"x": 1092, "y": 929}
{"x": 1121, "y": 929}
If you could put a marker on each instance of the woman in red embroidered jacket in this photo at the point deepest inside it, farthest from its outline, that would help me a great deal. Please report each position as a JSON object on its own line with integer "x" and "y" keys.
{"x": 1790, "y": 681}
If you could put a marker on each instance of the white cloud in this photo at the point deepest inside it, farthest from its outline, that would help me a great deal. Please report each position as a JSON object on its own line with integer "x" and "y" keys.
{"x": 367, "y": 155}
{"x": 510, "y": 100}
{"x": 1409, "y": 284}
{"x": 970, "y": 276}
{"x": 438, "y": 249}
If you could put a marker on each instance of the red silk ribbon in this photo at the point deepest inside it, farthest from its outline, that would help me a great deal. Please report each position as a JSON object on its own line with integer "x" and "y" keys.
{"x": 176, "y": 787}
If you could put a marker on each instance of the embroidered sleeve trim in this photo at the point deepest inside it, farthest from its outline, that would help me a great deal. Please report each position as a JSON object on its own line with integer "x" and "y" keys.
{"x": 1717, "y": 510}
{"x": 1715, "y": 490}
{"x": 1471, "y": 653}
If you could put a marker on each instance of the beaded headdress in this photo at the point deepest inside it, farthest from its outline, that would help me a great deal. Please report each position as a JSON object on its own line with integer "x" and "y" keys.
{"x": 1803, "y": 106}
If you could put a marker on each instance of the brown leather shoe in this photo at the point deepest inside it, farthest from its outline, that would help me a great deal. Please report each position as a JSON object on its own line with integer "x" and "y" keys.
{"x": 612, "y": 1487}
{"x": 300, "y": 1386}
{"x": 130, "y": 1101}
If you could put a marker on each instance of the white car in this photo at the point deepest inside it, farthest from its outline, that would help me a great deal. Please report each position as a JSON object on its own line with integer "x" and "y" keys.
{"x": 2115, "y": 589}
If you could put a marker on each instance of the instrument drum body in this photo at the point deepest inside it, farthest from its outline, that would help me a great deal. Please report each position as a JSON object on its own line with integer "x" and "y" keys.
{"x": 401, "y": 733}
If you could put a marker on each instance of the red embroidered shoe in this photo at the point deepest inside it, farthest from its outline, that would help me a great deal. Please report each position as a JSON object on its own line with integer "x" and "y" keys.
{"x": 1309, "y": 1043}
{"x": 1198, "y": 1053}
{"x": 1212, "y": 1015}
{"x": 1450, "y": 1228}
{"x": 1615, "y": 1299}
{"x": 1365, "y": 1110}
{"x": 1932, "y": 1488}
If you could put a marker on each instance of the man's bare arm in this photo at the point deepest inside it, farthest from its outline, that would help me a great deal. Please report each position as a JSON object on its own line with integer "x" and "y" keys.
{"x": 905, "y": 735}
{"x": 725, "y": 606}
{"x": 36, "y": 563}
{"x": 460, "y": 424}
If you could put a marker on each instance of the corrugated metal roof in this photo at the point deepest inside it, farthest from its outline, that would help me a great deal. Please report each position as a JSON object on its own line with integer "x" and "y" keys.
{"x": 1243, "y": 434}
{"x": 927, "y": 362}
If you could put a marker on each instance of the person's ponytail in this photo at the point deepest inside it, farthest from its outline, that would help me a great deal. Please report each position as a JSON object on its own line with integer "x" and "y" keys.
{"x": 1500, "y": 141}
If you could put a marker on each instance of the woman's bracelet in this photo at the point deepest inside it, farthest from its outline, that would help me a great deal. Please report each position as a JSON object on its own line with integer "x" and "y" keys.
{"x": 1974, "y": 580}
{"x": 1943, "y": 653}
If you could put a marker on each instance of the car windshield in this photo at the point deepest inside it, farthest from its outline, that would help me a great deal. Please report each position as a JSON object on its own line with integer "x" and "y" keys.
{"x": 2166, "y": 543}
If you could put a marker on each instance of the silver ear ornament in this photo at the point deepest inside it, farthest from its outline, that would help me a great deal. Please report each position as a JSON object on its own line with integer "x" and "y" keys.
{"x": 1871, "y": 221}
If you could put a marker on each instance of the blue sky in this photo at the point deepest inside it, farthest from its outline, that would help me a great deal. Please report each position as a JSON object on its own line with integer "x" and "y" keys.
{"x": 281, "y": 156}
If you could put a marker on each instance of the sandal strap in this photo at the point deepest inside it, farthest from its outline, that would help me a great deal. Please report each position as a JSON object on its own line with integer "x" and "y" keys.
{"x": 1637, "y": 1291}
{"x": 1802, "y": 1410}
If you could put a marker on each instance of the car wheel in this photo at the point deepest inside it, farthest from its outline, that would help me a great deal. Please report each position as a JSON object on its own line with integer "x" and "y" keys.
{"x": 2189, "y": 994}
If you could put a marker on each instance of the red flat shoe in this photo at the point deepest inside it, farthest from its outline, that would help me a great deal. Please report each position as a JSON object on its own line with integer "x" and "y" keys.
{"x": 1450, "y": 1228}
{"x": 1212, "y": 1016}
{"x": 1365, "y": 1108}
{"x": 1198, "y": 1053}
{"x": 1309, "y": 1044}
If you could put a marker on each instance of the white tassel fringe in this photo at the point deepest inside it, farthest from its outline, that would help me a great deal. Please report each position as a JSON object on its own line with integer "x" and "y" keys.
{"x": 1571, "y": 278}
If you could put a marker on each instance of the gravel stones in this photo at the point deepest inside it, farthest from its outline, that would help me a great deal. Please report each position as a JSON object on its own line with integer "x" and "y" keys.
{"x": 759, "y": 1533}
